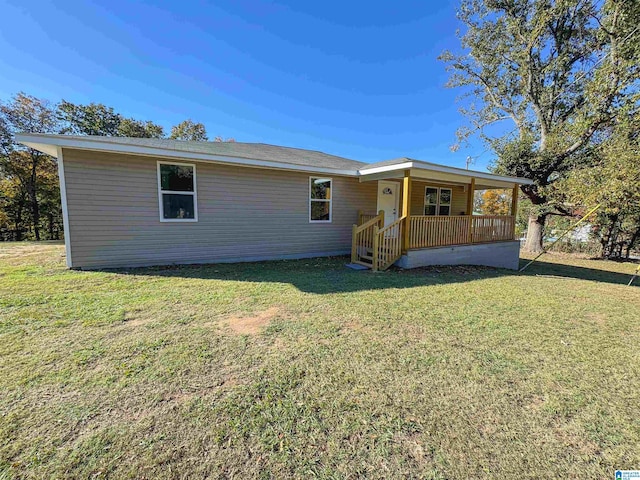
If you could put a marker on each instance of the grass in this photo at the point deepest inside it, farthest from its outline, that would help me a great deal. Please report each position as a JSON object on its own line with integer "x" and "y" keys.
{"x": 306, "y": 369}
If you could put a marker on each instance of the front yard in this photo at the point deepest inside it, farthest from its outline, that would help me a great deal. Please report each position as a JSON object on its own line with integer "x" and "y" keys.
{"x": 307, "y": 369}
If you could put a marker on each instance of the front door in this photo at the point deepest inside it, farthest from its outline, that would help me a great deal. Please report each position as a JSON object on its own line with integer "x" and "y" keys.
{"x": 389, "y": 200}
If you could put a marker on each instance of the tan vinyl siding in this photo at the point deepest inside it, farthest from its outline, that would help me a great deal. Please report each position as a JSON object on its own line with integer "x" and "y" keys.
{"x": 458, "y": 197}
{"x": 243, "y": 213}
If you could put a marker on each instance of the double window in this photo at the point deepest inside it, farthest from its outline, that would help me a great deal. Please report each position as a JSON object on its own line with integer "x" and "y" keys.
{"x": 320, "y": 200}
{"x": 177, "y": 192}
{"x": 437, "y": 201}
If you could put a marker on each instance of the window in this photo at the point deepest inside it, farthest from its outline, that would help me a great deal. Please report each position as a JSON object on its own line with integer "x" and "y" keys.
{"x": 437, "y": 201}
{"x": 319, "y": 199}
{"x": 177, "y": 192}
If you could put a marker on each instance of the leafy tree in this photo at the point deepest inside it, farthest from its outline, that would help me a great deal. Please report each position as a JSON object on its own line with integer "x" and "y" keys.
{"x": 98, "y": 119}
{"x": 24, "y": 168}
{"x": 130, "y": 127}
{"x": 495, "y": 202}
{"x": 614, "y": 183}
{"x": 13, "y": 206}
{"x": 190, "y": 131}
{"x": 559, "y": 71}
{"x": 91, "y": 119}
{"x": 49, "y": 198}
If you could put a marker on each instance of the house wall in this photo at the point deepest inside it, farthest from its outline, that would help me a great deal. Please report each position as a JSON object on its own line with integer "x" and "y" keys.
{"x": 243, "y": 214}
{"x": 458, "y": 197}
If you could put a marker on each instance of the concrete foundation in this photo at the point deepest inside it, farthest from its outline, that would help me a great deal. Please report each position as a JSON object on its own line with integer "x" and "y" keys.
{"x": 499, "y": 254}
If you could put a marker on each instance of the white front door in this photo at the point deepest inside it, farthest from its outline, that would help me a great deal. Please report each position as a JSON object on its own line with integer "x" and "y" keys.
{"x": 389, "y": 200}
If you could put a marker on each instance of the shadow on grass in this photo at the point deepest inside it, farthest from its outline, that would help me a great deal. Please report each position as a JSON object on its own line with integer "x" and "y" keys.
{"x": 576, "y": 272}
{"x": 329, "y": 275}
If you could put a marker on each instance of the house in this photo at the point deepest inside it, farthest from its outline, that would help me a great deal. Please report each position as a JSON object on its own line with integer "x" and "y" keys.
{"x": 135, "y": 202}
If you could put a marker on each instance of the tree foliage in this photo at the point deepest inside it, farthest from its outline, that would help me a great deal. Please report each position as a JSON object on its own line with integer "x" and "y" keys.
{"x": 559, "y": 71}
{"x": 29, "y": 182}
{"x": 98, "y": 119}
{"x": 614, "y": 183}
{"x": 494, "y": 202}
{"x": 190, "y": 131}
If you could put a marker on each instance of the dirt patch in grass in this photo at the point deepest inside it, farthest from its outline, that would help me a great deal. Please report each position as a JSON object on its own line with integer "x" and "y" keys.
{"x": 597, "y": 318}
{"x": 253, "y": 324}
{"x": 411, "y": 445}
{"x": 136, "y": 318}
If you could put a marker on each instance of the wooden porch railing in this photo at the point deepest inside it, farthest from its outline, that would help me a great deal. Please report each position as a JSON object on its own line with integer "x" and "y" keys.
{"x": 493, "y": 228}
{"x": 387, "y": 247}
{"x": 365, "y": 217}
{"x": 438, "y": 231}
{"x": 362, "y": 240}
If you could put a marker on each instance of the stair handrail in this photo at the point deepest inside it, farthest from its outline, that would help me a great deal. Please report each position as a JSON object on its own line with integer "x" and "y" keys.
{"x": 377, "y": 219}
{"x": 391, "y": 225}
{"x": 358, "y": 229}
{"x": 395, "y": 243}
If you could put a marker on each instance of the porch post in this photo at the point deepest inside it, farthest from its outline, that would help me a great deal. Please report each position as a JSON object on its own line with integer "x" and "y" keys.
{"x": 472, "y": 190}
{"x": 406, "y": 209}
{"x": 514, "y": 208}
{"x": 514, "y": 200}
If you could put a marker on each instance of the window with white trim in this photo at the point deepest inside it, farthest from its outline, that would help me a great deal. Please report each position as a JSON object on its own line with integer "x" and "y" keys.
{"x": 177, "y": 192}
{"x": 437, "y": 201}
{"x": 320, "y": 199}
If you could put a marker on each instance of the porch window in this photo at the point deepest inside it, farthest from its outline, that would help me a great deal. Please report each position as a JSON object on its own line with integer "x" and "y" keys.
{"x": 320, "y": 200}
{"x": 177, "y": 192}
{"x": 437, "y": 201}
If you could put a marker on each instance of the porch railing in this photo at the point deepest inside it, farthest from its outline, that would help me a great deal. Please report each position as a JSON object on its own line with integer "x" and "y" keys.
{"x": 493, "y": 228}
{"x": 364, "y": 217}
{"x": 362, "y": 240}
{"x": 387, "y": 246}
{"x": 438, "y": 231}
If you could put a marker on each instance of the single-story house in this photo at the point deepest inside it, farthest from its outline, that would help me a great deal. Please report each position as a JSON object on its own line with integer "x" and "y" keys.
{"x": 138, "y": 202}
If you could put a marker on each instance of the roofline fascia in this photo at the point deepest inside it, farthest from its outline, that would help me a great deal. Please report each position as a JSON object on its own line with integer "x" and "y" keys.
{"x": 444, "y": 169}
{"x": 34, "y": 141}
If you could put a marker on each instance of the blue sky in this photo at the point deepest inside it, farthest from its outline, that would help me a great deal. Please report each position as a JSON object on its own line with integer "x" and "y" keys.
{"x": 356, "y": 79}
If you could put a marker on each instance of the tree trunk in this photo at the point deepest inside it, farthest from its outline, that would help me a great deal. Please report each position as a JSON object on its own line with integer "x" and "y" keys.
{"x": 535, "y": 232}
{"x": 33, "y": 196}
{"x": 50, "y": 216}
{"x": 35, "y": 213}
{"x": 610, "y": 237}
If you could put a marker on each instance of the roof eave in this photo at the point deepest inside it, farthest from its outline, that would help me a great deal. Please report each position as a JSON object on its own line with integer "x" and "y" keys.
{"x": 444, "y": 169}
{"x": 50, "y": 145}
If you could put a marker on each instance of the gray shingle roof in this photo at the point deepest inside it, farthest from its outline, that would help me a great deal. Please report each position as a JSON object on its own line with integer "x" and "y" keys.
{"x": 255, "y": 151}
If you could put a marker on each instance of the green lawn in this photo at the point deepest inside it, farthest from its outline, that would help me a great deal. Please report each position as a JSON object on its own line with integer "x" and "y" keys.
{"x": 306, "y": 369}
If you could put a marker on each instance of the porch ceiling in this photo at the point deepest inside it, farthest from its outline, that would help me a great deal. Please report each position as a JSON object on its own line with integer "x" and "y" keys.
{"x": 440, "y": 173}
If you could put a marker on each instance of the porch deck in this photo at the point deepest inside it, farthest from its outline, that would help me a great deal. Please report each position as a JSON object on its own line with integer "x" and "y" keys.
{"x": 378, "y": 247}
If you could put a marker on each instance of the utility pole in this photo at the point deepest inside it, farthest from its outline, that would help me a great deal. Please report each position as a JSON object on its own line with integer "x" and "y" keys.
{"x": 470, "y": 161}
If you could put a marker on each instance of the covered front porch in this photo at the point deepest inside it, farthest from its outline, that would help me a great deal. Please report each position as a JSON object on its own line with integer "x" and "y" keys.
{"x": 424, "y": 206}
